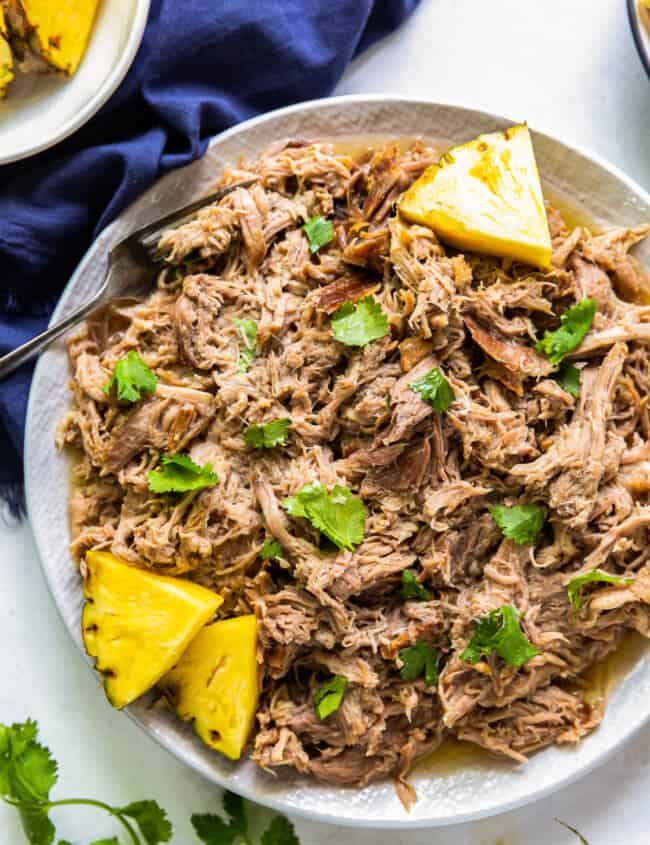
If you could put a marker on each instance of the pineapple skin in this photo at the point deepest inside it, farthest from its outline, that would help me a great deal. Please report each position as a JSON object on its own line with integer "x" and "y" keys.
{"x": 216, "y": 686}
{"x": 485, "y": 196}
{"x": 137, "y": 624}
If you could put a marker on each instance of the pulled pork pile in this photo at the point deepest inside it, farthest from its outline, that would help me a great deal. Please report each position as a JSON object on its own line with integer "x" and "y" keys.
{"x": 512, "y": 435}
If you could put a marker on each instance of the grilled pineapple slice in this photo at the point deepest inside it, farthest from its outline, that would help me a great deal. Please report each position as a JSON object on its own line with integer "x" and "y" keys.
{"x": 215, "y": 684}
{"x": 485, "y": 196}
{"x": 138, "y": 624}
{"x": 6, "y": 59}
{"x": 62, "y": 30}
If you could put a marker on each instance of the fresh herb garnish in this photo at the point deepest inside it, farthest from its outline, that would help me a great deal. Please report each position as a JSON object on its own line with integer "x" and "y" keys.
{"x": 179, "y": 474}
{"x": 419, "y": 659}
{"x": 271, "y": 550}
{"x": 329, "y": 697}
{"x": 574, "y": 325}
{"x": 568, "y": 377}
{"x": 247, "y": 330}
{"x": 268, "y": 435}
{"x": 520, "y": 523}
{"x": 27, "y": 774}
{"x": 577, "y": 833}
{"x": 411, "y": 587}
{"x": 213, "y": 830}
{"x": 499, "y": 632}
{"x": 434, "y": 389}
{"x": 131, "y": 378}
{"x": 576, "y": 584}
{"x": 319, "y": 233}
{"x": 338, "y": 514}
{"x": 357, "y": 324}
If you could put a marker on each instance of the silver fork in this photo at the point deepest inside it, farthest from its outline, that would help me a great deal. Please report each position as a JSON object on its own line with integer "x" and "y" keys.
{"x": 132, "y": 268}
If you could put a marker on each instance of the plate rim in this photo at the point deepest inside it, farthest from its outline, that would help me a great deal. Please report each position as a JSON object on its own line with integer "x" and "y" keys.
{"x": 637, "y": 34}
{"x": 92, "y": 106}
{"x": 251, "y": 794}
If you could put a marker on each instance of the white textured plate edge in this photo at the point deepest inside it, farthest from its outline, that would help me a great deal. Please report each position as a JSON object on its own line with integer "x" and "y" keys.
{"x": 124, "y": 61}
{"x": 465, "y": 795}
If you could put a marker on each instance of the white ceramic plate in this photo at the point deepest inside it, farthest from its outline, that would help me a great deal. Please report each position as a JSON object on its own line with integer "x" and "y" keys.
{"x": 446, "y": 794}
{"x": 40, "y": 111}
{"x": 640, "y": 23}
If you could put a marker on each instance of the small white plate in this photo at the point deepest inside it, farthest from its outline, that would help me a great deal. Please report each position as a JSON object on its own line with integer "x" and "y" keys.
{"x": 40, "y": 111}
{"x": 447, "y": 794}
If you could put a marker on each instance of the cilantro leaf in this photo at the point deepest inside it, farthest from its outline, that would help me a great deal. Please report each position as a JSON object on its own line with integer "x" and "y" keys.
{"x": 247, "y": 330}
{"x": 434, "y": 389}
{"x": 131, "y": 378}
{"x": 235, "y": 808}
{"x": 499, "y": 632}
{"x": 329, "y": 697}
{"x": 280, "y": 832}
{"x": 338, "y": 514}
{"x": 576, "y": 584}
{"x": 359, "y": 324}
{"x": 319, "y": 233}
{"x": 112, "y": 841}
{"x": 568, "y": 377}
{"x": 151, "y": 819}
{"x": 212, "y": 830}
{"x": 179, "y": 474}
{"x": 271, "y": 550}
{"x": 577, "y": 833}
{"x": 574, "y": 325}
{"x": 418, "y": 659}
{"x": 268, "y": 435}
{"x": 411, "y": 587}
{"x": 520, "y": 523}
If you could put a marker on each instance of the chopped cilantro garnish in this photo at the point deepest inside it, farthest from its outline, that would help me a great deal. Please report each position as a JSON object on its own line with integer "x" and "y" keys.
{"x": 574, "y": 325}
{"x": 419, "y": 659}
{"x": 499, "y": 632}
{"x": 568, "y": 377}
{"x": 329, "y": 697}
{"x": 131, "y": 378}
{"x": 179, "y": 474}
{"x": 319, "y": 233}
{"x": 359, "y": 324}
{"x": 271, "y": 550}
{"x": 576, "y": 584}
{"x": 434, "y": 389}
{"x": 268, "y": 435}
{"x": 338, "y": 514}
{"x": 521, "y": 523}
{"x": 247, "y": 330}
{"x": 411, "y": 587}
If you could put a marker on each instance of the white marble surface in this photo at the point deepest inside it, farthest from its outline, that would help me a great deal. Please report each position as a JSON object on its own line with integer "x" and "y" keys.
{"x": 569, "y": 68}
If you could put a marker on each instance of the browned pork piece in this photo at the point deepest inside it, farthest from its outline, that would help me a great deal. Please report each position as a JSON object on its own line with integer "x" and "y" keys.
{"x": 398, "y": 607}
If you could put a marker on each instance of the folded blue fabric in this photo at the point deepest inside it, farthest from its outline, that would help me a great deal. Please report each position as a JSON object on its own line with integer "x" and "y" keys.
{"x": 203, "y": 65}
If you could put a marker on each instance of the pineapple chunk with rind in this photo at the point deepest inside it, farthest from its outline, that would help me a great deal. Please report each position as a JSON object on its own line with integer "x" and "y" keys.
{"x": 6, "y": 58}
{"x": 215, "y": 684}
{"x": 63, "y": 30}
{"x": 485, "y": 196}
{"x": 137, "y": 624}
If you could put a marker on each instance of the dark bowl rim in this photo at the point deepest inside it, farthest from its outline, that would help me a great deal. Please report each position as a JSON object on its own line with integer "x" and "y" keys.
{"x": 635, "y": 26}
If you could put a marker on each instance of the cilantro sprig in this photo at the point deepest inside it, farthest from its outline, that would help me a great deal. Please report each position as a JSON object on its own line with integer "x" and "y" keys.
{"x": 329, "y": 697}
{"x": 568, "y": 377}
{"x": 271, "y": 550}
{"x": 179, "y": 474}
{"x": 357, "y": 324}
{"x": 28, "y": 772}
{"x": 319, "y": 231}
{"x": 420, "y": 659}
{"x": 576, "y": 584}
{"x": 574, "y": 325}
{"x": 338, "y": 514}
{"x": 214, "y": 830}
{"x": 499, "y": 632}
{"x": 434, "y": 389}
{"x": 412, "y": 588}
{"x": 131, "y": 379}
{"x": 247, "y": 331}
{"x": 268, "y": 435}
{"x": 520, "y": 523}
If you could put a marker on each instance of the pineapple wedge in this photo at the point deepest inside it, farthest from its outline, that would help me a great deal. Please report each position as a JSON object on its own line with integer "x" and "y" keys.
{"x": 62, "y": 30}
{"x": 215, "y": 684}
{"x": 485, "y": 196}
{"x": 138, "y": 624}
{"x": 6, "y": 59}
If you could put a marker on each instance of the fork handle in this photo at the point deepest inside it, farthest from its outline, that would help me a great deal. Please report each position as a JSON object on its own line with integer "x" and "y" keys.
{"x": 13, "y": 360}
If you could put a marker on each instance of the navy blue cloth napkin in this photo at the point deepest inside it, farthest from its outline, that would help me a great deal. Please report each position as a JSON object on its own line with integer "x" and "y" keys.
{"x": 203, "y": 65}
